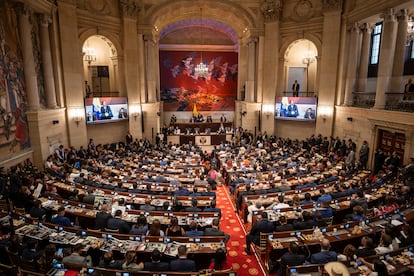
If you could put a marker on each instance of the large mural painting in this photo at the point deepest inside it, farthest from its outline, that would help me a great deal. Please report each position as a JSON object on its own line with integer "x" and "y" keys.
{"x": 14, "y": 134}
{"x": 182, "y": 88}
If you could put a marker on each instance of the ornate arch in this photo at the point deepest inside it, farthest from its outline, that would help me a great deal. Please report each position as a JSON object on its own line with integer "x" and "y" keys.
{"x": 112, "y": 40}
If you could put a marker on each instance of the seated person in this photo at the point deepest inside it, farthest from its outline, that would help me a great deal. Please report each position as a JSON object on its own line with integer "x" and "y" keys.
{"x": 60, "y": 219}
{"x": 214, "y": 230}
{"x": 261, "y": 226}
{"x": 213, "y": 208}
{"x": 156, "y": 264}
{"x": 308, "y": 199}
{"x": 106, "y": 112}
{"x": 305, "y": 223}
{"x": 366, "y": 248}
{"x": 31, "y": 252}
{"x": 182, "y": 264}
{"x": 324, "y": 196}
{"x": 193, "y": 207}
{"x": 102, "y": 217}
{"x": 174, "y": 230}
{"x": 77, "y": 258}
{"x": 131, "y": 261}
{"x": 309, "y": 114}
{"x": 141, "y": 227}
{"x": 147, "y": 206}
{"x": 220, "y": 262}
{"x": 37, "y": 211}
{"x": 116, "y": 223}
{"x": 325, "y": 255}
{"x": 291, "y": 258}
{"x": 283, "y": 225}
{"x": 292, "y": 110}
{"x": 155, "y": 229}
{"x": 193, "y": 232}
{"x": 108, "y": 261}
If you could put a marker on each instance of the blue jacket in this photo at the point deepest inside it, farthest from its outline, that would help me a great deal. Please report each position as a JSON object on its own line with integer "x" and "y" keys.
{"x": 62, "y": 221}
{"x": 323, "y": 257}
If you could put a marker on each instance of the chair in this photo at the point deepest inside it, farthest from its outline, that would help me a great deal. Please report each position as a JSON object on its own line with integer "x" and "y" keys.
{"x": 29, "y": 265}
{"x": 14, "y": 258}
{"x": 4, "y": 205}
{"x": 261, "y": 248}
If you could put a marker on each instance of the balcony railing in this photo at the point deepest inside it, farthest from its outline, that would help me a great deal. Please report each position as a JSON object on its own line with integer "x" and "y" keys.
{"x": 300, "y": 94}
{"x": 394, "y": 101}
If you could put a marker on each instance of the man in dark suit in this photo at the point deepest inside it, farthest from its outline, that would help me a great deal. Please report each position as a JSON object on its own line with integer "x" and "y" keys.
{"x": 89, "y": 198}
{"x": 116, "y": 223}
{"x": 213, "y": 208}
{"x": 261, "y": 226}
{"x": 305, "y": 223}
{"x": 37, "y": 211}
{"x": 214, "y": 230}
{"x": 284, "y": 226}
{"x": 102, "y": 217}
{"x": 291, "y": 258}
{"x": 325, "y": 256}
{"x": 182, "y": 264}
{"x": 156, "y": 264}
{"x": 193, "y": 207}
{"x": 31, "y": 253}
{"x": 60, "y": 219}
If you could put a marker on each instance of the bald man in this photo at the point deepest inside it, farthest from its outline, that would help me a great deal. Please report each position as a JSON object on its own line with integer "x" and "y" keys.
{"x": 325, "y": 256}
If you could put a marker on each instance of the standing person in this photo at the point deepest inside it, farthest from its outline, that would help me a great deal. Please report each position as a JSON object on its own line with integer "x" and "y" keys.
{"x": 87, "y": 89}
{"x": 128, "y": 138}
{"x": 363, "y": 154}
{"x": 295, "y": 88}
{"x": 408, "y": 89}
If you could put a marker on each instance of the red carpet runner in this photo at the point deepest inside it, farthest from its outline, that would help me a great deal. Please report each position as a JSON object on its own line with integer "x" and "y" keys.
{"x": 243, "y": 264}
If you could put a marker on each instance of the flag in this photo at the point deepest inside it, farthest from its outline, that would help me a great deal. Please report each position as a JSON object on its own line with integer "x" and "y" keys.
{"x": 195, "y": 112}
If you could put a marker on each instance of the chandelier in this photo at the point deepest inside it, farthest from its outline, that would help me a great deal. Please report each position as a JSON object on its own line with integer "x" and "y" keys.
{"x": 201, "y": 69}
{"x": 89, "y": 54}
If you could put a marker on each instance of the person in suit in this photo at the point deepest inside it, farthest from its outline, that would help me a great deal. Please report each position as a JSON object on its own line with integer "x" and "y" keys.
{"x": 408, "y": 90}
{"x": 89, "y": 198}
{"x": 305, "y": 223}
{"x": 366, "y": 248}
{"x": 283, "y": 225}
{"x": 147, "y": 206}
{"x": 214, "y": 230}
{"x": 295, "y": 88}
{"x": 116, "y": 223}
{"x": 213, "y": 208}
{"x": 31, "y": 252}
{"x": 291, "y": 258}
{"x": 193, "y": 207}
{"x": 325, "y": 255}
{"x": 182, "y": 264}
{"x": 292, "y": 110}
{"x": 60, "y": 219}
{"x": 193, "y": 232}
{"x": 106, "y": 112}
{"x": 37, "y": 211}
{"x": 156, "y": 264}
{"x": 102, "y": 217}
{"x": 261, "y": 226}
{"x": 77, "y": 258}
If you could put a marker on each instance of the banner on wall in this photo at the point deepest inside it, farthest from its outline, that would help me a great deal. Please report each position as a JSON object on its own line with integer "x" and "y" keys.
{"x": 182, "y": 88}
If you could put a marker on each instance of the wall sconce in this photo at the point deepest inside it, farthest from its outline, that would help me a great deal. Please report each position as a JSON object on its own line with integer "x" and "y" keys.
{"x": 135, "y": 111}
{"x": 55, "y": 122}
{"x": 77, "y": 115}
{"x": 243, "y": 113}
{"x": 267, "y": 109}
{"x": 158, "y": 113}
{"x": 324, "y": 112}
{"x": 323, "y": 117}
{"x": 349, "y": 119}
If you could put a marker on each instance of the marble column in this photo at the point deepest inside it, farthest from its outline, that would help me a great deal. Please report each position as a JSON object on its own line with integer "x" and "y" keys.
{"x": 251, "y": 70}
{"x": 386, "y": 58}
{"x": 49, "y": 79}
{"x": 242, "y": 70}
{"x": 150, "y": 67}
{"x": 366, "y": 29}
{"x": 397, "y": 84}
{"x": 352, "y": 64}
{"x": 25, "y": 29}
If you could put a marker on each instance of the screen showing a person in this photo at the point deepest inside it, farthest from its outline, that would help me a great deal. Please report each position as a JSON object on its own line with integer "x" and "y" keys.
{"x": 296, "y": 108}
{"x": 105, "y": 110}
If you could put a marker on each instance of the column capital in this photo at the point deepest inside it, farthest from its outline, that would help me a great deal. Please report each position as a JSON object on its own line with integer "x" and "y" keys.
{"x": 45, "y": 20}
{"x": 389, "y": 15}
{"x": 23, "y": 10}
{"x": 130, "y": 8}
{"x": 332, "y": 5}
{"x": 271, "y": 9}
{"x": 353, "y": 27}
{"x": 366, "y": 27}
{"x": 403, "y": 15}
{"x": 252, "y": 39}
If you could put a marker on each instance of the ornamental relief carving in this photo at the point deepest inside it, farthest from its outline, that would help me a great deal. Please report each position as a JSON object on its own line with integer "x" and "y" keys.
{"x": 332, "y": 5}
{"x": 99, "y": 7}
{"x": 130, "y": 8}
{"x": 271, "y": 9}
{"x": 302, "y": 11}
